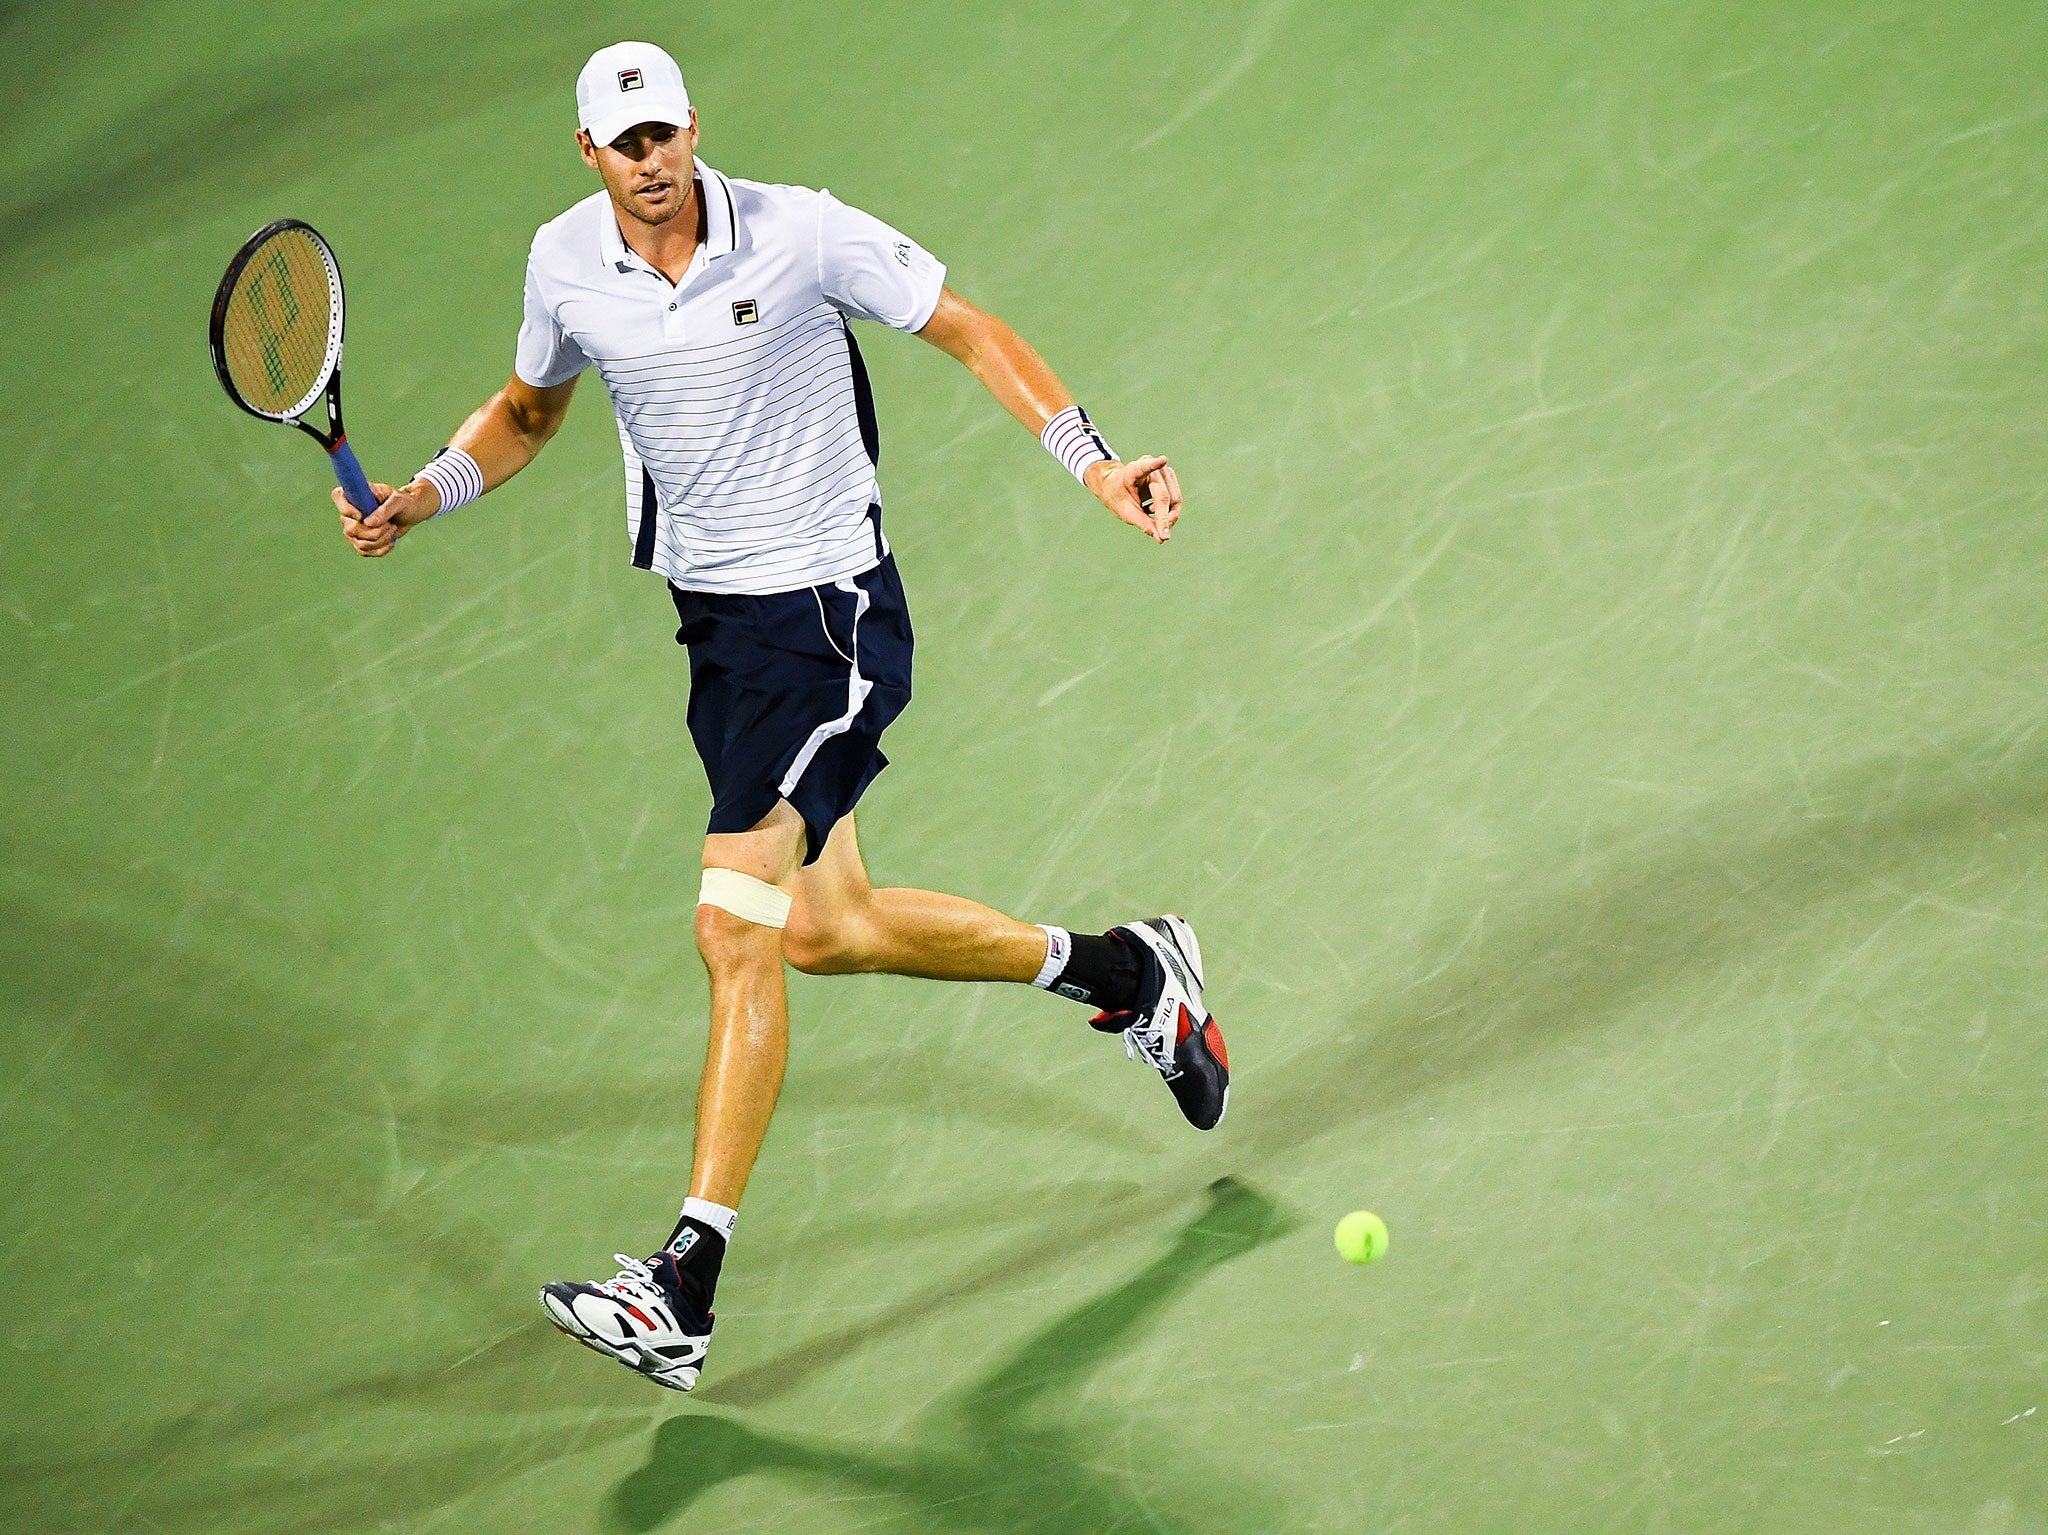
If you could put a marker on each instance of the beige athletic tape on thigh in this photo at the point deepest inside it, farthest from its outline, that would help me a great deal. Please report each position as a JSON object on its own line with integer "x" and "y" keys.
{"x": 754, "y": 900}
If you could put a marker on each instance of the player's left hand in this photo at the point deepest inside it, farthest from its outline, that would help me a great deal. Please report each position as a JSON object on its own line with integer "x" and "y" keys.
{"x": 1117, "y": 486}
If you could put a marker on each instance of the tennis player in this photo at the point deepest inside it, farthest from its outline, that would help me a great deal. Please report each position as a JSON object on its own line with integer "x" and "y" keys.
{"x": 716, "y": 312}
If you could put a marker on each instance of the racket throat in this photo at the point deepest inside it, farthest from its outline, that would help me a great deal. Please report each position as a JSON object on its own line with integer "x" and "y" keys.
{"x": 334, "y": 434}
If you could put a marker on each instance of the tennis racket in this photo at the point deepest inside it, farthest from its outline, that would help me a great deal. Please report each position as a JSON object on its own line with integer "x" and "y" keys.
{"x": 276, "y": 339}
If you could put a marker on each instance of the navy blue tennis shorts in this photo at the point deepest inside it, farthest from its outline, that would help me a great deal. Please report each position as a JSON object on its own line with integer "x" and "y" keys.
{"x": 790, "y": 694}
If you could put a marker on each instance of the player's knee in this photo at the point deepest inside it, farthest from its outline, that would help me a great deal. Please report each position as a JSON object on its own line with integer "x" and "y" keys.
{"x": 739, "y": 919}
{"x": 824, "y": 943}
{"x": 813, "y": 947}
{"x": 724, "y": 939}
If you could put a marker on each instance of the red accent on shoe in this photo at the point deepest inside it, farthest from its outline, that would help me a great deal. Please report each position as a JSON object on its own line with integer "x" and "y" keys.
{"x": 645, "y": 1320}
{"x": 1184, "y": 1028}
{"x": 1112, "y": 1023}
{"x": 1213, "y": 1038}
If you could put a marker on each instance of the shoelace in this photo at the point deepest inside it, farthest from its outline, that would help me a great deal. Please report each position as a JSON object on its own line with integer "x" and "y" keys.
{"x": 1157, "y": 1053}
{"x": 1152, "y": 1048}
{"x": 631, "y": 1271}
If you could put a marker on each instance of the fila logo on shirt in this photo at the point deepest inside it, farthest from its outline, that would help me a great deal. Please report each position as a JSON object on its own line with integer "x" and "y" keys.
{"x": 746, "y": 312}
{"x": 629, "y": 80}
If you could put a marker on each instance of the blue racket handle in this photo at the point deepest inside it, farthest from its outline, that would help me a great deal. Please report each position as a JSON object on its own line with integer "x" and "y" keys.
{"x": 354, "y": 483}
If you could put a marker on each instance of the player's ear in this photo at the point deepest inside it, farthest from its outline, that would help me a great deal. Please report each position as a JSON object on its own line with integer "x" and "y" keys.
{"x": 586, "y": 148}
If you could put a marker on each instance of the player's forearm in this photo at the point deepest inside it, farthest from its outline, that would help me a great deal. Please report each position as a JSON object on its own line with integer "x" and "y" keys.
{"x": 1018, "y": 377}
{"x": 1010, "y": 368}
{"x": 504, "y": 436}
{"x": 501, "y": 437}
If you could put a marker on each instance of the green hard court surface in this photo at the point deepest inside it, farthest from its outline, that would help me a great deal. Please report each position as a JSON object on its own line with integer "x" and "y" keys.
{"x": 1592, "y": 710}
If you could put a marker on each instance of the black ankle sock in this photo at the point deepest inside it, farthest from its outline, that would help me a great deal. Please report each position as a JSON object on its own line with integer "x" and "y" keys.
{"x": 1102, "y": 972}
{"x": 699, "y": 1253}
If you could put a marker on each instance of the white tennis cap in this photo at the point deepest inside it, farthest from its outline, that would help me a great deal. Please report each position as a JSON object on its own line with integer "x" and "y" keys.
{"x": 629, "y": 83}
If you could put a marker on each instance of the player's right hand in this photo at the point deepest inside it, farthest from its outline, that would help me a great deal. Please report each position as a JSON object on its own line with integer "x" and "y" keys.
{"x": 397, "y": 512}
{"x": 1144, "y": 492}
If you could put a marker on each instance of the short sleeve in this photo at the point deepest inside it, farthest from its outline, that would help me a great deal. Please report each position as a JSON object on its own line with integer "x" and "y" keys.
{"x": 547, "y": 356}
{"x": 873, "y": 272}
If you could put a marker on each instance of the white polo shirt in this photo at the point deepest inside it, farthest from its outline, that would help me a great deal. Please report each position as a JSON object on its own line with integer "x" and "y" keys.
{"x": 742, "y": 403}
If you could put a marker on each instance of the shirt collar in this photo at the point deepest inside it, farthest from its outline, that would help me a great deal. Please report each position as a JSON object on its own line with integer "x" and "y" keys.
{"x": 721, "y": 220}
{"x": 721, "y": 213}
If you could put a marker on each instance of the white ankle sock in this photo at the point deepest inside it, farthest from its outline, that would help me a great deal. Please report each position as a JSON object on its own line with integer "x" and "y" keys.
{"x": 717, "y": 1217}
{"x": 1059, "y": 948}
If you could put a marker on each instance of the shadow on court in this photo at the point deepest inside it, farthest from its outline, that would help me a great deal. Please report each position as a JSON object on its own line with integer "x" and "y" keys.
{"x": 176, "y": 1013}
{"x": 1676, "y": 898}
{"x": 195, "y": 1014}
{"x": 981, "y": 1459}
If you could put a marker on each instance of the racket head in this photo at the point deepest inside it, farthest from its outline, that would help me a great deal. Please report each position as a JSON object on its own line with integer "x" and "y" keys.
{"x": 276, "y": 325}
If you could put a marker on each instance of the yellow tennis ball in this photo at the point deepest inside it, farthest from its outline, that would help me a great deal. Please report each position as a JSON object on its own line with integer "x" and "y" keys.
{"x": 1361, "y": 1237}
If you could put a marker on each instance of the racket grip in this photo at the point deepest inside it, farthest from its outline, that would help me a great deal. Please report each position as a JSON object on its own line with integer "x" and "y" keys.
{"x": 354, "y": 483}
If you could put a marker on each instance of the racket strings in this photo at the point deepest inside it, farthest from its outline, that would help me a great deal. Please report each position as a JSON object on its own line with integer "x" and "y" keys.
{"x": 276, "y": 331}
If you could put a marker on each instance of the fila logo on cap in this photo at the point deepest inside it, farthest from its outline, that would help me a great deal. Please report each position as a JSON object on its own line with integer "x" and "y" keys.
{"x": 629, "y": 83}
{"x": 746, "y": 312}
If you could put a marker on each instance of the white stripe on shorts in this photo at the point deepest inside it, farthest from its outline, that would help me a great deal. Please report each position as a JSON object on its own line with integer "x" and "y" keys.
{"x": 857, "y": 690}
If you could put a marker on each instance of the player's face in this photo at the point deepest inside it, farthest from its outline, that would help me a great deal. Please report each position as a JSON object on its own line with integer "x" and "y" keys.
{"x": 647, "y": 169}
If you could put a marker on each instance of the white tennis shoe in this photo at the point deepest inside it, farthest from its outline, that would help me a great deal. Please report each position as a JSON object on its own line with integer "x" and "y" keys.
{"x": 637, "y": 1317}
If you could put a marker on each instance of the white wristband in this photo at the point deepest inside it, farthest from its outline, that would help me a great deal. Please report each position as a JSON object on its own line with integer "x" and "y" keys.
{"x": 455, "y": 475}
{"x": 1071, "y": 438}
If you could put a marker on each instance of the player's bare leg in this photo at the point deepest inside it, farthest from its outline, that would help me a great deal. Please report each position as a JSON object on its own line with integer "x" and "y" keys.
{"x": 749, "y": 1037}
{"x": 1145, "y": 977}
{"x": 654, "y": 1315}
{"x": 841, "y": 925}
